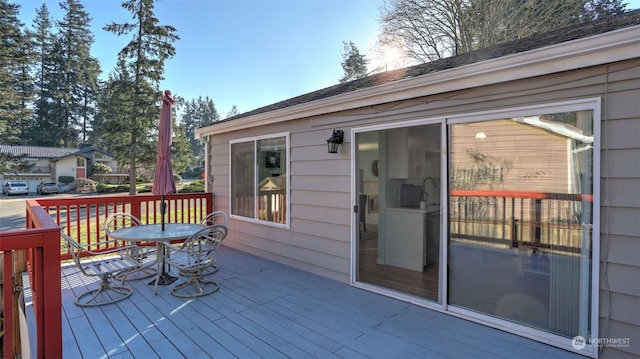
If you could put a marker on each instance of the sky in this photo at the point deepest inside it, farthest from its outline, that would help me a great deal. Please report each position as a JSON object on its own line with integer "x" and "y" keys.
{"x": 248, "y": 53}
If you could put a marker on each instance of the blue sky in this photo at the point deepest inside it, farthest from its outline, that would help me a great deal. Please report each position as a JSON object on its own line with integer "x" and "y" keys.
{"x": 248, "y": 53}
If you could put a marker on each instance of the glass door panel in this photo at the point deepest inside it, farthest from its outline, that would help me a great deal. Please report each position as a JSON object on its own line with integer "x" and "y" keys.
{"x": 399, "y": 209}
{"x": 520, "y": 219}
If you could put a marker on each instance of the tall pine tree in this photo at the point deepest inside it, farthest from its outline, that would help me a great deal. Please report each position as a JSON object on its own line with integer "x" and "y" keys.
{"x": 39, "y": 132}
{"x": 144, "y": 56}
{"x": 78, "y": 72}
{"x": 15, "y": 78}
{"x": 198, "y": 113}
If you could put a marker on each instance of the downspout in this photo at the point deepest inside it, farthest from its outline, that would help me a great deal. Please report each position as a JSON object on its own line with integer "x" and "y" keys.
{"x": 206, "y": 157}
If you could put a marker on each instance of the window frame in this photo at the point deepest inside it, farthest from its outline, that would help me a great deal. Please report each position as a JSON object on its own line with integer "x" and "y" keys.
{"x": 287, "y": 166}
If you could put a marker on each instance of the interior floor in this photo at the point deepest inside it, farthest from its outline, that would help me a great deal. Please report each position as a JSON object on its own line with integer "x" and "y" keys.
{"x": 422, "y": 284}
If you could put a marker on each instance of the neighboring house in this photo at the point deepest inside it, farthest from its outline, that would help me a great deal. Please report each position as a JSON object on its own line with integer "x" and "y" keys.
{"x": 49, "y": 163}
{"x": 501, "y": 186}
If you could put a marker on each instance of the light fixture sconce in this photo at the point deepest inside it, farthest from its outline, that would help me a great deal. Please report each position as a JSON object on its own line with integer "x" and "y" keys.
{"x": 335, "y": 140}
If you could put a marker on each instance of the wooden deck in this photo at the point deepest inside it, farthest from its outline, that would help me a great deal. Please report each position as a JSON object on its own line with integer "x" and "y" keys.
{"x": 265, "y": 309}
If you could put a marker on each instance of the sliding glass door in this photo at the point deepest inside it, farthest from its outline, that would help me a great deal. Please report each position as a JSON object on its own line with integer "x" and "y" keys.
{"x": 520, "y": 219}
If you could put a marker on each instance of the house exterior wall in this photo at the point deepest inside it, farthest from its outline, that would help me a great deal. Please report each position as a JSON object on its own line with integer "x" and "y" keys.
{"x": 320, "y": 229}
{"x": 66, "y": 167}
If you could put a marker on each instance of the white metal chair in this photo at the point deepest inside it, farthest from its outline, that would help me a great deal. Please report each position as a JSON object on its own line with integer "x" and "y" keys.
{"x": 104, "y": 264}
{"x": 143, "y": 252}
{"x": 216, "y": 217}
{"x": 193, "y": 257}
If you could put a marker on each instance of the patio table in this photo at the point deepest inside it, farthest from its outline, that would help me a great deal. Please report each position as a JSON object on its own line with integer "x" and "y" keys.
{"x": 155, "y": 233}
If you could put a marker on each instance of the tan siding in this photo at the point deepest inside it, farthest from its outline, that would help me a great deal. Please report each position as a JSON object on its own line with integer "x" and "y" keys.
{"x": 624, "y": 192}
{"x": 622, "y": 221}
{"x": 621, "y": 163}
{"x": 618, "y": 329}
{"x": 622, "y": 134}
{"x": 623, "y": 279}
{"x": 322, "y": 199}
{"x": 624, "y": 308}
{"x": 321, "y": 183}
{"x": 623, "y": 250}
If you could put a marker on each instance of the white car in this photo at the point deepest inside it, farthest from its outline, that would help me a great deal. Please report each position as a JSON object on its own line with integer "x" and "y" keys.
{"x": 47, "y": 187}
{"x": 10, "y": 188}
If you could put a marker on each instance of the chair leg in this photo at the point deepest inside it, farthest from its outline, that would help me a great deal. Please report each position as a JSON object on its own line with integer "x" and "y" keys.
{"x": 202, "y": 287}
{"x": 114, "y": 293}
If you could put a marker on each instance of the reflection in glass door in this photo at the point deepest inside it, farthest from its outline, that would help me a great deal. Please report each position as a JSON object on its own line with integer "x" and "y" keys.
{"x": 520, "y": 220}
{"x": 399, "y": 209}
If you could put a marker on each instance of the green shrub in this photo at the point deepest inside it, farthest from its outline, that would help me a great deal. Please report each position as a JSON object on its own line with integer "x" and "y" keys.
{"x": 109, "y": 188}
{"x": 66, "y": 179}
{"x": 194, "y": 173}
{"x": 193, "y": 187}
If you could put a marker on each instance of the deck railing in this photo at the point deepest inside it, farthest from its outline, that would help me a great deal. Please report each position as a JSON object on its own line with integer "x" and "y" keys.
{"x": 38, "y": 250}
{"x": 83, "y": 218}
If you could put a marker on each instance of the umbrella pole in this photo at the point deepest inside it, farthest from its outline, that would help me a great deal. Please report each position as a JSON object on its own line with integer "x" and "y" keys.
{"x": 163, "y": 210}
{"x": 164, "y": 278}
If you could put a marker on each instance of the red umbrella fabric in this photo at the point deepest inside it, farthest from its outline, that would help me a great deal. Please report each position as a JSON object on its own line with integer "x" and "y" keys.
{"x": 163, "y": 182}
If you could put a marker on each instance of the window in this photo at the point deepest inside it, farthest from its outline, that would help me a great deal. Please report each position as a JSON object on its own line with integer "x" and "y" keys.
{"x": 259, "y": 178}
{"x": 80, "y": 162}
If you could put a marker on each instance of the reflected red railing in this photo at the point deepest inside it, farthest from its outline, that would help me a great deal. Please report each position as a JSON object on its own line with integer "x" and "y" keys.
{"x": 520, "y": 218}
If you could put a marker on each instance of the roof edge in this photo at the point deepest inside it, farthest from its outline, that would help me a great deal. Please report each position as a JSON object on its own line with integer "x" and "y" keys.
{"x": 608, "y": 47}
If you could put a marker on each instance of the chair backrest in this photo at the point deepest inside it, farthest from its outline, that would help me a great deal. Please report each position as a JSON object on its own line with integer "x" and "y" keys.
{"x": 216, "y": 217}
{"x": 120, "y": 220}
{"x": 206, "y": 241}
{"x": 73, "y": 247}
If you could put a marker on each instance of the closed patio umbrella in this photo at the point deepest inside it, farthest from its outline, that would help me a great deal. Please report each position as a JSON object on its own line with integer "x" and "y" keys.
{"x": 163, "y": 182}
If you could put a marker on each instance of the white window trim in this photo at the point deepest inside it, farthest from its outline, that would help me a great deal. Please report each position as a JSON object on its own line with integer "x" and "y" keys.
{"x": 255, "y": 139}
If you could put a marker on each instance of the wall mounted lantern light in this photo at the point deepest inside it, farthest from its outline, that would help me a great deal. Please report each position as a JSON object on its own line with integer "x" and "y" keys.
{"x": 335, "y": 140}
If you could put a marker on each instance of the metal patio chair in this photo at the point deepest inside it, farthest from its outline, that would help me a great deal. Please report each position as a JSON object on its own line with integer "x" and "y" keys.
{"x": 142, "y": 252}
{"x": 193, "y": 258}
{"x": 104, "y": 264}
{"x": 216, "y": 217}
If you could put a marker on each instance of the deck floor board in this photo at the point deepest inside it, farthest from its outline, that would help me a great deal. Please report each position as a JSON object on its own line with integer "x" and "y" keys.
{"x": 269, "y": 310}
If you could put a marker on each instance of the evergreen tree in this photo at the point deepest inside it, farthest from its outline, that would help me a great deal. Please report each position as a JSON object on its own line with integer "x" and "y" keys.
{"x": 39, "y": 132}
{"x": 144, "y": 56}
{"x": 15, "y": 78}
{"x": 198, "y": 113}
{"x": 110, "y": 128}
{"x": 181, "y": 155}
{"x": 78, "y": 72}
{"x": 354, "y": 64}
